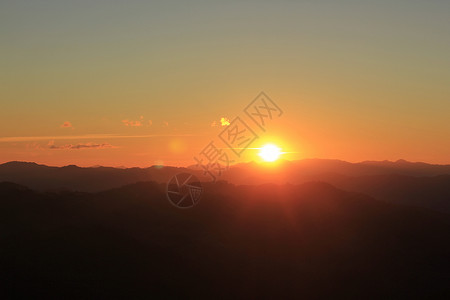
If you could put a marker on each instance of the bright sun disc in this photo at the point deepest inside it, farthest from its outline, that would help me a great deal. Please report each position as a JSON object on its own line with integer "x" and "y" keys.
{"x": 269, "y": 152}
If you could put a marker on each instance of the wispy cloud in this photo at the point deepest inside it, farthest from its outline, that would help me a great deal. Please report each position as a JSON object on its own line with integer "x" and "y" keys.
{"x": 138, "y": 123}
{"x": 34, "y": 146}
{"x": 224, "y": 121}
{"x": 81, "y": 146}
{"x": 86, "y": 136}
{"x": 132, "y": 123}
{"x": 66, "y": 124}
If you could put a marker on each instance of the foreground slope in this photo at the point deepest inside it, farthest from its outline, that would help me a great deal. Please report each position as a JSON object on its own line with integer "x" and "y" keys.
{"x": 308, "y": 241}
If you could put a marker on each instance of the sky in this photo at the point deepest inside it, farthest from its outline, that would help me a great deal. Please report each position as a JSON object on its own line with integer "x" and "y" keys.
{"x": 139, "y": 83}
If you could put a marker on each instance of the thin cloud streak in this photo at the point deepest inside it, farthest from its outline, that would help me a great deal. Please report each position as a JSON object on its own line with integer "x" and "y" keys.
{"x": 132, "y": 123}
{"x": 86, "y": 136}
{"x": 82, "y": 146}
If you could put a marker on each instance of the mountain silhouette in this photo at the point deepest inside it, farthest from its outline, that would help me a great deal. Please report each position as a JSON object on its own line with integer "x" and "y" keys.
{"x": 401, "y": 182}
{"x": 268, "y": 241}
{"x": 94, "y": 179}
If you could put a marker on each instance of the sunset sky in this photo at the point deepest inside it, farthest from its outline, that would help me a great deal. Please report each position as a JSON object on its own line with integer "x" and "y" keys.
{"x": 138, "y": 83}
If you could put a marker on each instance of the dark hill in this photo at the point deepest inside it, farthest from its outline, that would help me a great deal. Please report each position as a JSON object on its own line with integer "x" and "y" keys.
{"x": 44, "y": 178}
{"x": 270, "y": 241}
{"x": 400, "y": 182}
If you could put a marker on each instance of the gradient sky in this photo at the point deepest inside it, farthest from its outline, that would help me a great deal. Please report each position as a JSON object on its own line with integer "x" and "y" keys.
{"x": 357, "y": 80}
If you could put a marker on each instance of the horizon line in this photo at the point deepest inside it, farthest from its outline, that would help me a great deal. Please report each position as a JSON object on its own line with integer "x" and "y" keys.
{"x": 247, "y": 162}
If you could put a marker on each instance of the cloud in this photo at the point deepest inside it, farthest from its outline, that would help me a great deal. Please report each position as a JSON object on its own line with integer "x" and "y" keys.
{"x": 86, "y": 136}
{"x": 138, "y": 123}
{"x": 34, "y": 146}
{"x": 132, "y": 123}
{"x": 80, "y": 146}
{"x": 224, "y": 121}
{"x": 66, "y": 124}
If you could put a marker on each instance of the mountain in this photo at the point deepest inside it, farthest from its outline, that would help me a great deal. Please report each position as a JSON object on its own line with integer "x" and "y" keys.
{"x": 311, "y": 169}
{"x": 270, "y": 241}
{"x": 94, "y": 179}
{"x": 41, "y": 177}
{"x": 400, "y": 182}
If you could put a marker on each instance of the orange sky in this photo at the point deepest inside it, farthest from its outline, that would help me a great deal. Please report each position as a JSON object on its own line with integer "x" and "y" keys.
{"x": 100, "y": 83}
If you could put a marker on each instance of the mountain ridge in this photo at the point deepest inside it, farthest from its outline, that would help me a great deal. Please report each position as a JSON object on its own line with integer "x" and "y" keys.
{"x": 311, "y": 239}
{"x": 400, "y": 182}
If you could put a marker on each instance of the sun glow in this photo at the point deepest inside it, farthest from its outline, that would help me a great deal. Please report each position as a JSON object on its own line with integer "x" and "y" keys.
{"x": 269, "y": 152}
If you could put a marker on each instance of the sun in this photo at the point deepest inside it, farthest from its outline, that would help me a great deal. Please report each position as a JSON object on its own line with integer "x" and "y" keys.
{"x": 269, "y": 152}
